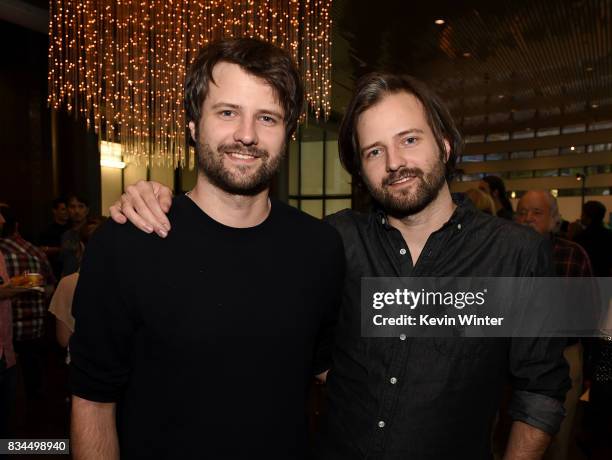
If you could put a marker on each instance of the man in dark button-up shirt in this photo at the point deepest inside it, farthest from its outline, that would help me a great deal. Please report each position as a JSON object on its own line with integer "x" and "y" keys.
{"x": 429, "y": 398}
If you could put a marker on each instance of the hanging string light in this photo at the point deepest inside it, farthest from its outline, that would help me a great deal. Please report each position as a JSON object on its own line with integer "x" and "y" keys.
{"x": 120, "y": 64}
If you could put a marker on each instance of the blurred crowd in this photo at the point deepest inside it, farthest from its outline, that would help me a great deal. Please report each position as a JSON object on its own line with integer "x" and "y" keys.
{"x": 33, "y": 314}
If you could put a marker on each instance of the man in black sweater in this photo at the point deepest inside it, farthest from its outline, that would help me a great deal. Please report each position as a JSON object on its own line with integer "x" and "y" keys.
{"x": 203, "y": 344}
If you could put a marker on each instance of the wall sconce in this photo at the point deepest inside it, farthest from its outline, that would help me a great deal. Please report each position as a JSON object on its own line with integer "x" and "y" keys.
{"x": 112, "y": 164}
{"x": 110, "y": 155}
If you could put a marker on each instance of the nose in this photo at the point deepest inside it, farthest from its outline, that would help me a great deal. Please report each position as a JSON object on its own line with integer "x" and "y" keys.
{"x": 246, "y": 132}
{"x": 394, "y": 159}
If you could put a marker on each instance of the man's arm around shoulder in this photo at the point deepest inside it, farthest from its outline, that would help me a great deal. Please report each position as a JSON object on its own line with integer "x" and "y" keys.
{"x": 93, "y": 430}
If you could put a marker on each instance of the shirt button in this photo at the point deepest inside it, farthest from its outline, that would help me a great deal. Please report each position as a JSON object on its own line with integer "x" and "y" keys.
{"x": 393, "y": 380}
{"x": 458, "y": 226}
{"x": 381, "y": 424}
{"x": 402, "y": 336}
{"x": 403, "y": 251}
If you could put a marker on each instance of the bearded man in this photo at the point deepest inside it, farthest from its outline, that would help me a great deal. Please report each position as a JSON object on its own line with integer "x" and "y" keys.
{"x": 202, "y": 344}
{"x": 429, "y": 398}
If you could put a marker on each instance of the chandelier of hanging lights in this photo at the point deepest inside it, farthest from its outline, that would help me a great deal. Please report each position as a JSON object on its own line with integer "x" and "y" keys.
{"x": 120, "y": 64}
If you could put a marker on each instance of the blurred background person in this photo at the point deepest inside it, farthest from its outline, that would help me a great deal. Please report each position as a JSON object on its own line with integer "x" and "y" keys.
{"x": 8, "y": 377}
{"x": 78, "y": 210}
{"x": 563, "y": 229}
{"x": 481, "y": 200}
{"x": 61, "y": 302}
{"x": 29, "y": 309}
{"x": 496, "y": 188}
{"x": 539, "y": 210}
{"x": 51, "y": 238}
{"x": 595, "y": 238}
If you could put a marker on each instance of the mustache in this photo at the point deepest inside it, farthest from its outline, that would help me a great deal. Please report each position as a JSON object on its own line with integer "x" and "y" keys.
{"x": 401, "y": 174}
{"x": 245, "y": 150}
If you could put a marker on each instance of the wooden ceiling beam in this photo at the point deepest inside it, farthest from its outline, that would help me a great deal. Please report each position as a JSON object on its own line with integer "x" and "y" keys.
{"x": 536, "y": 143}
{"x": 537, "y": 102}
{"x": 589, "y": 116}
{"x": 569, "y": 75}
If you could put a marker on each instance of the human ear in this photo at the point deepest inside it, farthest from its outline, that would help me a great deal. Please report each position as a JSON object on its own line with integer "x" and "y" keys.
{"x": 447, "y": 150}
{"x": 192, "y": 130}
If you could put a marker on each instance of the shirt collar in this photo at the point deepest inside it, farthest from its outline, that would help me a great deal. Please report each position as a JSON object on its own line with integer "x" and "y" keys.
{"x": 464, "y": 210}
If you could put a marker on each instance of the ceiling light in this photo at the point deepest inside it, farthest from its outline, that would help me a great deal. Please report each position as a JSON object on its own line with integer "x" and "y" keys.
{"x": 501, "y": 96}
{"x": 467, "y": 55}
{"x": 589, "y": 69}
{"x": 439, "y": 21}
{"x": 572, "y": 148}
{"x": 513, "y": 195}
{"x": 594, "y": 105}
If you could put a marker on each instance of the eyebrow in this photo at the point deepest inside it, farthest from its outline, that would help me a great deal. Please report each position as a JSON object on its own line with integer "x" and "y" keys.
{"x": 229, "y": 105}
{"x": 400, "y": 134}
{"x": 410, "y": 131}
{"x": 226, "y": 104}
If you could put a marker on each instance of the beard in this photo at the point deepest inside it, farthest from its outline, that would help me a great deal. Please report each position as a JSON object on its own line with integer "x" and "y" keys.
{"x": 407, "y": 202}
{"x": 244, "y": 180}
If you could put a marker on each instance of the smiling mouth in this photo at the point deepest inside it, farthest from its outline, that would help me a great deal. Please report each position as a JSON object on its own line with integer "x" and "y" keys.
{"x": 402, "y": 180}
{"x": 242, "y": 156}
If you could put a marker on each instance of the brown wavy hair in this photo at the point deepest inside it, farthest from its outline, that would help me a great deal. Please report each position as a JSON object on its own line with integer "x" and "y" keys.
{"x": 370, "y": 89}
{"x": 255, "y": 57}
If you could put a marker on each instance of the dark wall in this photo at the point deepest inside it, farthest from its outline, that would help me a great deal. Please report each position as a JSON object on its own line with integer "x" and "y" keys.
{"x": 78, "y": 160}
{"x": 27, "y": 181}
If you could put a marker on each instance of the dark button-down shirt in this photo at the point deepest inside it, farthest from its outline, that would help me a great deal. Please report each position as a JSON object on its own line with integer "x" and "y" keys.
{"x": 434, "y": 398}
